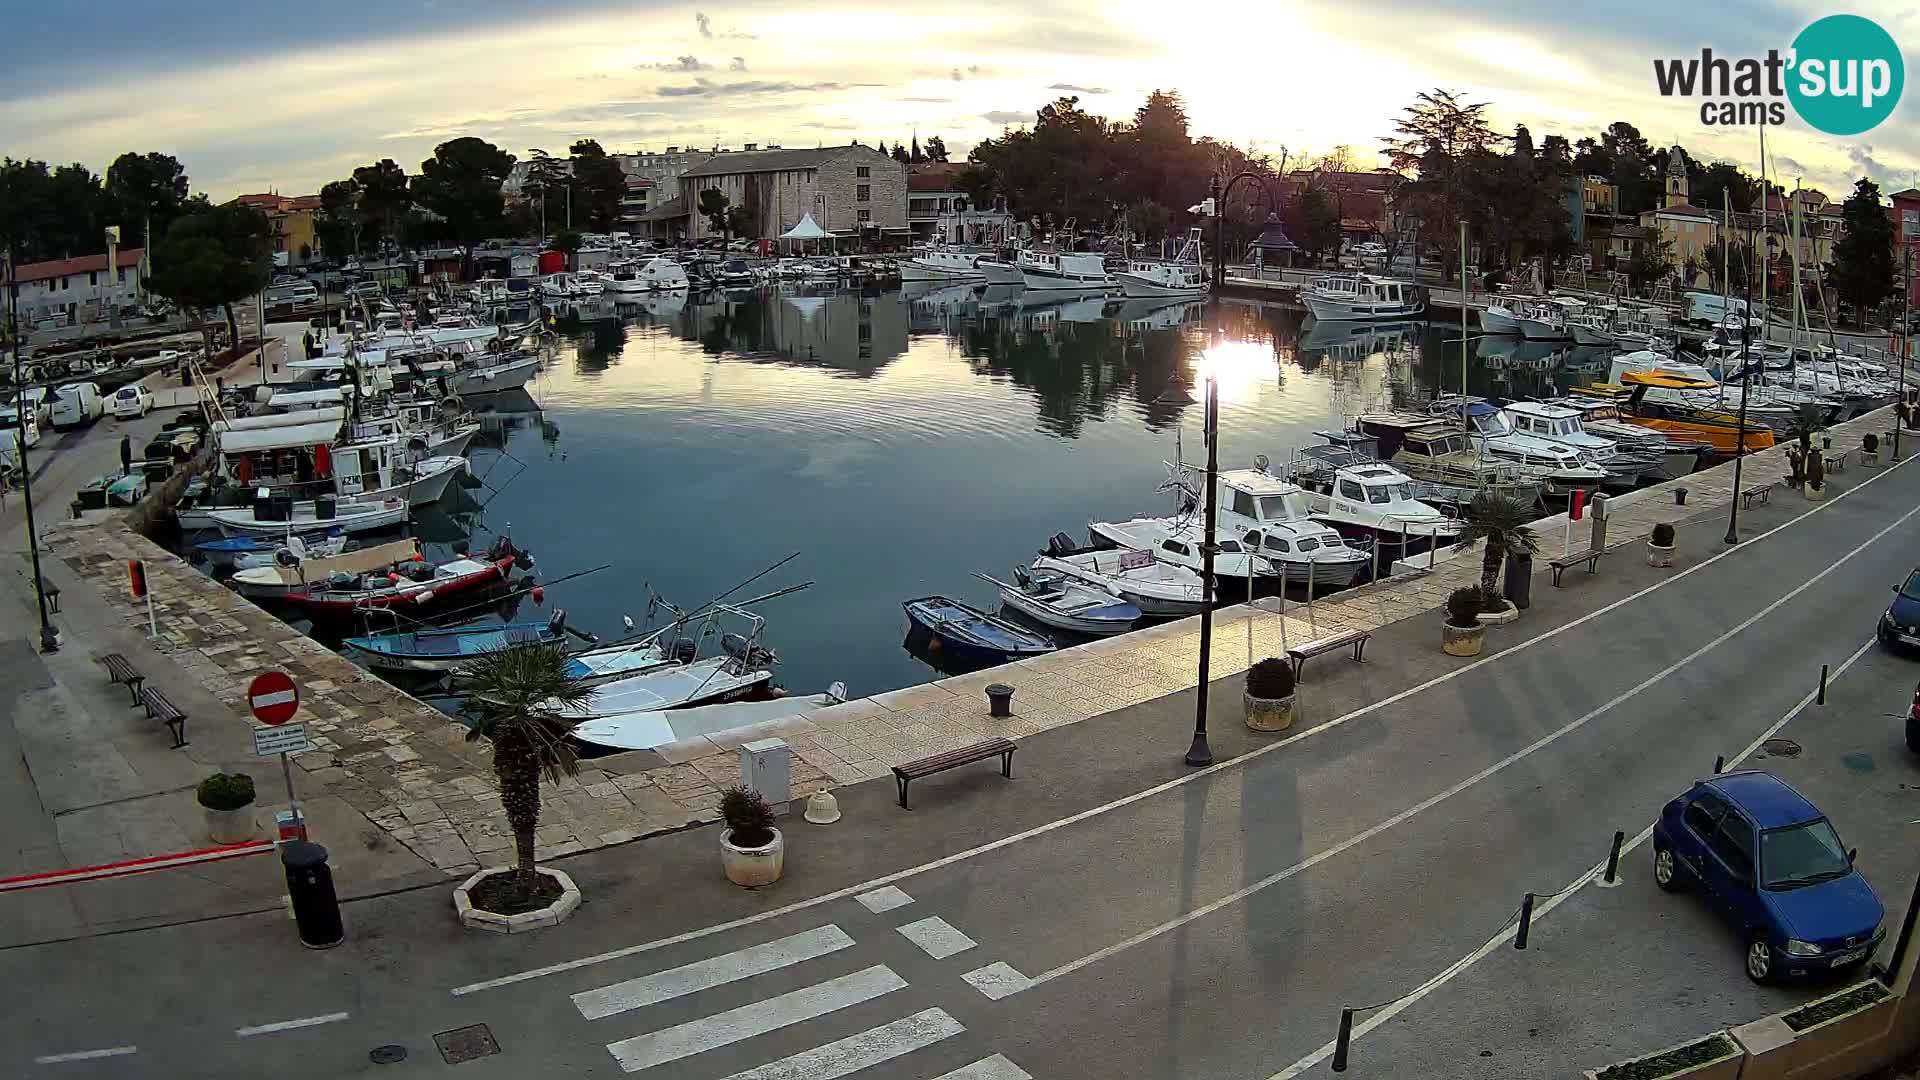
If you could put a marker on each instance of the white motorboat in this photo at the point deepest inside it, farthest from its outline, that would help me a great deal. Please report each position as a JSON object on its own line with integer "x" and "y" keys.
{"x": 1179, "y": 540}
{"x": 1156, "y": 588}
{"x": 1369, "y": 500}
{"x": 1563, "y": 425}
{"x": 941, "y": 264}
{"x": 619, "y": 660}
{"x": 1500, "y": 317}
{"x": 565, "y": 286}
{"x": 670, "y": 686}
{"x": 1363, "y": 296}
{"x": 1060, "y": 602}
{"x": 1566, "y": 469}
{"x": 658, "y": 274}
{"x": 511, "y": 373}
{"x": 1064, "y": 271}
{"x": 1001, "y": 271}
{"x": 623, "y": 279}
{"x": 1443, "y": 463}
{"x": 1546, "y": 320}
{"x": 1601, "y": 416}
{"x": 658, "y": 727}
{"x": 1274, "y": 517}
{"x": 1183, "y": 276}
{"x": 347, "y": 516}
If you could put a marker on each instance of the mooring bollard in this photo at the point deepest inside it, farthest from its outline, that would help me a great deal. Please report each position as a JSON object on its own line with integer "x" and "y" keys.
{"x": 1341, "y": 1042}
{"x": 1613, "y": 858}
{"x": 999, "y": 700}
{"x": 1719, "y": 765}
{"x": 1679, "y": 496}
{"x": 1822, "y": 699}
{"x": 1526, "y": 922}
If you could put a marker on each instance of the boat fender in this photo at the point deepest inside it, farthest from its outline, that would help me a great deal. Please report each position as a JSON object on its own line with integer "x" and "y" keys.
{"x": 837, "y": 691}
{"x": 424, "y": 597}
{"x": 539, "y": 595}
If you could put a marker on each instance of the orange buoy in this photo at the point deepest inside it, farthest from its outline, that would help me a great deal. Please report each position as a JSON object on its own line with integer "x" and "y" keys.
{"x": 539, "y": 595}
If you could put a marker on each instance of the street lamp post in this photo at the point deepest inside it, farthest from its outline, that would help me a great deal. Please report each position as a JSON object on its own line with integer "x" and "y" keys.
{"x": 1740, "y": 423}
{"x": 49, "y": 641}
{"x": 1200, "y": 753}
{"x": 1907, "y": 257}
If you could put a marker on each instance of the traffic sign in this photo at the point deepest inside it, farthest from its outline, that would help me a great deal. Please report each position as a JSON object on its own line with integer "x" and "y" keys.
{"x": 285, "y": 739}
{"x": 273, "y": 697}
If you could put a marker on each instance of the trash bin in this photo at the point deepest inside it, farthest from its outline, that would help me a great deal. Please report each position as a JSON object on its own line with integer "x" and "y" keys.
{"x": 325, "y": 507}
{"x": 310, "y": 886}
{"x": 1519, "y": 581}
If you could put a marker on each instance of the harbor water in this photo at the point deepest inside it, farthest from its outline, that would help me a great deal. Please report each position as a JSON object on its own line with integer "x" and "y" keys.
{"x": 901, "y": 441}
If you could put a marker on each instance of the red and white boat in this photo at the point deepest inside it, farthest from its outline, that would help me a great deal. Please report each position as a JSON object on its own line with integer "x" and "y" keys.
{"x": 408, "y": 584}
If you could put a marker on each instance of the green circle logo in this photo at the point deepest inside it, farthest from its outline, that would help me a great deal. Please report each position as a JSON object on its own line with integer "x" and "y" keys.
{"x": 1847, "y": 75}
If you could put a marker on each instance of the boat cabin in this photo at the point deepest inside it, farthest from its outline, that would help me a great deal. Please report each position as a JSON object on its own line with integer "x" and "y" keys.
{"x": 1556, "y": 423}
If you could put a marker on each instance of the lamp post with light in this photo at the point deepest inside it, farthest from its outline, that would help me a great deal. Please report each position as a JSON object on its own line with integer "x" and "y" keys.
{"x": 49, "y": 639}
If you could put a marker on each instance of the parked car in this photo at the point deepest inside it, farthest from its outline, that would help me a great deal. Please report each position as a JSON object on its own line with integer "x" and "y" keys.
{"x": 371, "y": 290}
{"x": 132, "y": 402}
{"x": 75, "y": 404}
{"x": 1771, "y": 865}
{"x": 1900, "y": 623}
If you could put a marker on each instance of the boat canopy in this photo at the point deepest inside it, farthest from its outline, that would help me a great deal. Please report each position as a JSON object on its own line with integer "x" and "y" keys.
{"x": 278, "y": 438}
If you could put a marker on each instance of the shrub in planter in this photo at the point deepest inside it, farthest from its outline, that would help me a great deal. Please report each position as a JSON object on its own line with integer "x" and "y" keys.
{"x": 752, "y": 851}
{"x": 1269, "y": 695}
{"x": 1461, "y": 634}
{"x": 228, "y": 801}
{"x": 1870, "y": 450}
{"x": 1660, "y": 546}
{"x": 1676, "y": 1062}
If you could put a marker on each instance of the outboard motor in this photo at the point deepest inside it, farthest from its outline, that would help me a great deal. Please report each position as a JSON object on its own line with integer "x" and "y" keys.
{"x": 501, "y": 548}
{"x": 1061, "y": 545}
{"x": 285, "y": 558}
{"x": 558, "y": 624}
{"x": 523, "y": 559}
{"x": 684, "y": 651}
{"x": 837, "y": 692}
{"x": 744, "y": 651}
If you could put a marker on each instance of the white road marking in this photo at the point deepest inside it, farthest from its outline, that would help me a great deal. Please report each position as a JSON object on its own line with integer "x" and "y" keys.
{"x": 1436, "y": 799}
{"x": 1447, "y": 975}
{"x": 996, "y": 1067}
{"x": 996, "y": 980}
{"x": 289, "y": 1025}
{"x": 883, "y": 900}
{"x": 714, "y": 971}
{"x": 85, "y": 1055}
{"x": 1158, "y": 789}
{"x": 842, "y": 1057}
{"x": 721, "y": 1029}
{"x": 936, "y": 937}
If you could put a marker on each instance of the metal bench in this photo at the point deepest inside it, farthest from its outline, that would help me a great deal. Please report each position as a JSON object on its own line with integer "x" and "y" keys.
{"x": 1763, "y": 492}
{"x": 52, "y": 592}
{"x": 953, "y": 759}
{"x": 1591, "y": 557}
{"x": 159, "y": 708}
{"x": 119, "y": 670}
{"x": 1835, "y": 461}
{"x": 1300, "y": 654}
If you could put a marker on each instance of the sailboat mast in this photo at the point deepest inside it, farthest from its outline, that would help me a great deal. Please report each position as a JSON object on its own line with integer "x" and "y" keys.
{"x": 1759, "y": 256}
{"x": 1465, "y": 425}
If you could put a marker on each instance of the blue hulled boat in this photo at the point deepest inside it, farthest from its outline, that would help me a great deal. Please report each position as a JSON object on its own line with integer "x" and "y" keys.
{"x": 435, "y": 651}
{"x": 966, "y": 633}
{"x": 223, "y": 551}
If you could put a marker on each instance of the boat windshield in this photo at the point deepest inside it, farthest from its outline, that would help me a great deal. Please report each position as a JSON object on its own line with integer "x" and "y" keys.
{"x": 1291, "y": 506}
{"x": 1386, "y": 493}
{"x": 1803, "y": 854}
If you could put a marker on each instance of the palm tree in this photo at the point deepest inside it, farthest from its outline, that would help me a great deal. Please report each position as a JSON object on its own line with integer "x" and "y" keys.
{"x": 1500, "y": 520}
{"x": 516, "y": 701}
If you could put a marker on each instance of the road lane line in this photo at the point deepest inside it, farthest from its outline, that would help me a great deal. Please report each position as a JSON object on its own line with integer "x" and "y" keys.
{"x": 1436, "y": 799}
{"x": 713, "y": 971}
{"x": 85, "y": 1055}
{"x": 1163, "y": 787}
{"x": 996, "y": 1067}
{"x": 843, "y": 1057}
{"x": 936, "y": 937}
{"x": 289, "y": 1025}
{"x": 747, "y": 1021}
{"x": 1459, "y": 966}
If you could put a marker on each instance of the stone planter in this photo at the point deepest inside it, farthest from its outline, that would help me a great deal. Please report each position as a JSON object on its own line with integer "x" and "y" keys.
{"x": 1462, "y": 640}
{"x": 1269, "y": 714}
{"x": 230, "y": 826}
{"x": 1842, "y": 1045}
{"x": 1814, "y": 494}
{"x": 1659, "y": 556}
{"x": 1505, "y": 615}
{"x": 474, "y": 918}
{"x": 753, "y": 867}
{"x": 1869, "y": 461}
{"x": 1723, "y": 1066}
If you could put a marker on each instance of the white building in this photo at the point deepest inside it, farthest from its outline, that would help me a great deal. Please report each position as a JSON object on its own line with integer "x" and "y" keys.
{"x": 80, "y": 290}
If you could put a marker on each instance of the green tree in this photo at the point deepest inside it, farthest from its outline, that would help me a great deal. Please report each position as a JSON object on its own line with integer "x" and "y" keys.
{"x": 546, "y": 175}
{"x": 23, "y": 208}
{"x": 936, "y": 149}
{"x": 1735, "y": 256}
{"x": 599, "y": 183}
{"x": 385, "y": 196}
{"x": 1501, "y": 521}
{"x": 900, "y": 154}
{"x": 212, "y": 259}
{"x": 1316, "y": 224}
{"x": 517, "y": 702}
{"x": 1863, "y": 262}
{"x": 1742, "y": 190}
{"x": 1148, "y": 220}
{"x": 146, "y": 190}
{"x": 1651, "y": 260}
{"x": 713, "y": 207}
{"x": 1440, "y": 139}
{"x": 740, "y": 222}
{"x": 461, "y": 183}
{"x": 339, "y": 221}
{"x": 53, "y": 213}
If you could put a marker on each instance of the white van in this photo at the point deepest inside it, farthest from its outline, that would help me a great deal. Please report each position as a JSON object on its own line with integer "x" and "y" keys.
{"x": 1709, "y": 309}
{"x": 75, "y": 404}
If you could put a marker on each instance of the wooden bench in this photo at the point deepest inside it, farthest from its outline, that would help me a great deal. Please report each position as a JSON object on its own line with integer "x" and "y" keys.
{"x": 1590, "y": 556}
{"x": 1763, "y": 492}
{"x": 159, "y": 708}
{"x": 1300, "y": 654}
{"x": 119, "y": 670}
{"x": 953, "y": 759}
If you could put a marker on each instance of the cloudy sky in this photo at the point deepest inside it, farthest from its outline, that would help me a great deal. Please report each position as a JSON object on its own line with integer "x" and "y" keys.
{"x": 254, "y": 97}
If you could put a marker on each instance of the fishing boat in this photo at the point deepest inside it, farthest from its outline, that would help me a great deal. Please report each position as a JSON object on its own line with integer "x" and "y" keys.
{"x": 1274, "y": 518}
{"x": 1182, "y": 276}
{"x": 1179, "y": 541}
{"x": 972, "y": 635}
{"x": 1565, "y": 469}
{"x": 222, "y": 553}
{"x": 1001, "y": 268}
{"x": 942, "y": 264}
{"x": 1678, "y": 419}
{"x": 1365, "y": 499}
{"x": 1068, "y": 271}
{"x": 348, "y": 516}
{"x": 658, "y": 727}
{"x": 1156, "y": 588}
{"x": 1677, "y": 458}
{"x": 277, "y": 581}
{"x": 671, "y": 686}
{"x": 1501, "y": 315}
{"x": 411, "y": 584}
{"x": 1363, "y": 296}
{"x": 440, "y": 651}
{"x": 1065, "y": 604}
{"x": 1441, "y": 460}
{"x": 1546, "y": 320}
{"x": 621, "y": 659}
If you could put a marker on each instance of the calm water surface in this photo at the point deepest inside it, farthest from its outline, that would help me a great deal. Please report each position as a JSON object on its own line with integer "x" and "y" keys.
{"x": 902, "y": 441}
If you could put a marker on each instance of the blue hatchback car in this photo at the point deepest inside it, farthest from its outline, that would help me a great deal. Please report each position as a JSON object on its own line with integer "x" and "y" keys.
{"x": 1771, "y": 865}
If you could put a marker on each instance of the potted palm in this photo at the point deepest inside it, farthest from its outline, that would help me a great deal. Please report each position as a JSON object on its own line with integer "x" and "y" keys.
{"x": 1269, "y": 695}
{"x": 1870, "y": 451}
{"x": 228, "y": 801}
{"x": 1660, "y": 546}
{"x": 1501, "y": 522}
{"x": 752, "y": 851}
{"x": 517, "y": 702}
{"x": 1462, "y": 633}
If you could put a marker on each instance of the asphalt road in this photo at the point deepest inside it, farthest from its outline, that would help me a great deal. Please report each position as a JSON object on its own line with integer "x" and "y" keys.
{"x": 1212, "y": 928}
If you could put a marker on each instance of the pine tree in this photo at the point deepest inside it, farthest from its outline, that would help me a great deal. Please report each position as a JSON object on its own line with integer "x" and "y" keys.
{"x": 1863, "y": 259}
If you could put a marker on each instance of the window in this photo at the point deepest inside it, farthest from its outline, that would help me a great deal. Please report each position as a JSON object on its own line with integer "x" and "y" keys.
{"x": 1274, "y": 543}
{"x": 1308, "y": 543}
{"x": 866, "y": 215}
{"x": 1289, "y": 507}
{"x": 1231, "y": 547}
{"x": 1734, "y": 844}
{"x": 863, "y": 193}
{"x": 1703, "y": 814}
{"x": 1802, "y": 855}
{"x": 1380, "y": 495}
{"x": 1243, "y": 505}
{"x": 1351, "y": 490}
{"x": 1174, "y": 546}
{"x": 93, "y": 277}
{"x": 862, "y": 172}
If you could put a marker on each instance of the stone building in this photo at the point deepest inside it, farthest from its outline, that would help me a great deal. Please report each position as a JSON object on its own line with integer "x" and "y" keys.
{"x": 852, "y": 191}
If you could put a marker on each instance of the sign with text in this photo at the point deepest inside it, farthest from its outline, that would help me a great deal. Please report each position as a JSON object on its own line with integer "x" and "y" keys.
{"x": 273, "y": 697}
{"x": 283, "y": 739}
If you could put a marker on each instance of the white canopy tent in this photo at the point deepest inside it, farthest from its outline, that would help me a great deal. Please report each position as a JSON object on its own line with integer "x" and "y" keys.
{"x": 806, "y": 229}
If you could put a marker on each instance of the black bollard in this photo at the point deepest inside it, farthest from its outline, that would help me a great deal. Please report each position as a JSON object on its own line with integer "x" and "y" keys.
{"x": 310, "y": 886}
{"x": 999, "y": 700}
{"x": 1822, "y": 700}
{"x": 1613, "y": 857}
{"x": 1679, "y": 496}
{"x": 1341, "y": 1042}
{"x": 1526, "y": 922}
{"x": 1719, "y": 765}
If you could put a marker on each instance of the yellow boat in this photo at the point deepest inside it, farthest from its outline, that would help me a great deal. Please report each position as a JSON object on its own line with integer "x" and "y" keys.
{"x": 1717, "y": 428}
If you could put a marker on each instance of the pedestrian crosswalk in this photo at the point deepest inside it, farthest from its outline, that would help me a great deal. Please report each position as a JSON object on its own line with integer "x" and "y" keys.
{"x": 629, "y": 1001}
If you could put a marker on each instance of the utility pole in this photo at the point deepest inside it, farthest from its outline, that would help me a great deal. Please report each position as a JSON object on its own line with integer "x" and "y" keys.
{"x": 49, "y": 641}
{"x": 1906, "y": 340}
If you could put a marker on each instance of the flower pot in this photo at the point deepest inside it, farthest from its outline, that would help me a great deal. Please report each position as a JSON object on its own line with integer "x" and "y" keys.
{"x": 230, "y": 826}
{"x": 1269, "y": 714}
{"x": 1462, "y": 640}
{"x": 1659, "y": 556}
{"x": 1814, "y": 494}
{"x": 753, "y": 867}
{"x": 1869, "y": 460}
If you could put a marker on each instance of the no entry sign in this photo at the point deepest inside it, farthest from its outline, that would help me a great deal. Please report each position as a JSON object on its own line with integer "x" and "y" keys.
{"x": 273, "y": 697}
